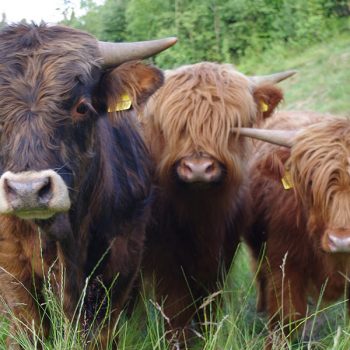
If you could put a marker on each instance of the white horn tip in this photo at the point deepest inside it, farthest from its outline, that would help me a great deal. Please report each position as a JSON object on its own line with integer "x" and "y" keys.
{"x": 273, "y": 78}
{"x": 172, "y": 40}
{"x": 290, "y": 73}
{"x": 167, "y": 42}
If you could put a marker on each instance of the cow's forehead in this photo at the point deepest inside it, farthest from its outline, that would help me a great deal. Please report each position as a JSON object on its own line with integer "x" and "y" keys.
{"x": 28, "y": 39}
{"x": 320, "y": 161}
{"x": 210, "y": 71}
{"x": 30, "y": 47}
{"x": 40, "y": 66}
{"x": 203, "y": 96}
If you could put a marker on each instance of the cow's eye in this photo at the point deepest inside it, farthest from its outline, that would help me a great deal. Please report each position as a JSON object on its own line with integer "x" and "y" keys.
{"x": 81, "y": 109}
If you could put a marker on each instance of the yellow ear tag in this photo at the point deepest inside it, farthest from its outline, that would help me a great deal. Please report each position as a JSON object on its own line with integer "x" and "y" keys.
{"x": 123, "y": 104}
{"x": 264, "y": 107}
{"x": 287, "y": 181}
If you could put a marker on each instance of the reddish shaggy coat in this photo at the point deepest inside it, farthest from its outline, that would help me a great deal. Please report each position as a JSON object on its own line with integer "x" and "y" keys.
{"x": 298, "y": 225}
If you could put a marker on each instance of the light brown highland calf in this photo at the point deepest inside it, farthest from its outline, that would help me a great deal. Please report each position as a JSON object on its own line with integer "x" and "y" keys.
{"x": 200, "y": 202}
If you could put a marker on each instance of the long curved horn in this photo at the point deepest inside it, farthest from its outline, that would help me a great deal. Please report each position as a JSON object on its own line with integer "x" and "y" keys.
{"x": 277, "y": 137}
{"x": 273, "y": 78}
{"x": 114, "y": 54}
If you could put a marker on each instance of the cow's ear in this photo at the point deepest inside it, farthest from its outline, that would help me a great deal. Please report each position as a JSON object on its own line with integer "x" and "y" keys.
{"x": 267, "y": 97}
{"x": 273, "y": 164}
{"x": 130, "y": 85}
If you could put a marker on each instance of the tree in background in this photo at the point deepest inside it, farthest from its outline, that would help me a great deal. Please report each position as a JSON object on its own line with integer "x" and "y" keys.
{"x": 3, "y": 20}
{"x": 213, "y": 30}
{"x": 216, "y": 30}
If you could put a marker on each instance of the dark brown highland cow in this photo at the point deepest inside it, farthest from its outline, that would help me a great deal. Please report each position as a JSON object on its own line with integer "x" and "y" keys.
{"x": 75, "y": 184}
{"x": 306, "y": 229}
{"x": 200, "y": 203}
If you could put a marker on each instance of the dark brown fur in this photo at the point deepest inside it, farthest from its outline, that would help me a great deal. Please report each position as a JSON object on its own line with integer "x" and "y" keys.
{"x": 46, "y": 75}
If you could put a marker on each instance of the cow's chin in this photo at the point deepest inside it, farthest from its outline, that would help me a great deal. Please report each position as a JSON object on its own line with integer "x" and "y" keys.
{"x": 35, "y": 214}
{"x": 199, "y": 185}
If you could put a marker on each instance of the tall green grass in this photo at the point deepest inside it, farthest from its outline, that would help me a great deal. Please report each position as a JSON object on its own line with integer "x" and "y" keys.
{"x": 230, "y": 322}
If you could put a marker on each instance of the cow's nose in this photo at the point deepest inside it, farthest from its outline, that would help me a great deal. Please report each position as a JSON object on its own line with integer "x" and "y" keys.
{"x": 338, "y": 244}
{"x": 33, "y": 193}
{"x": 198, "y": 170}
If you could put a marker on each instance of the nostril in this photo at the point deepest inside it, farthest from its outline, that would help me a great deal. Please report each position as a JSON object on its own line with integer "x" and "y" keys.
{"x": 331, "y": 238}
{"x": 45, "y": 192}
{"x": 209, "y": 169}
{"x": 185, "y": 168}
{"x": 10, "y": 189}
{"x": 331, "y": 242}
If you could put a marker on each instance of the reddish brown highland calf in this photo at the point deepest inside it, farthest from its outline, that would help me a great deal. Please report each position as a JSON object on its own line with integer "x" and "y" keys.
{"x": 306, "y": 229}
{"x": 200, "y": 203}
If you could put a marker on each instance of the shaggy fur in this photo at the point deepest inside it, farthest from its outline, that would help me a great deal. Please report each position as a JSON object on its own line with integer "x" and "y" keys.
{"x": 294, "y": 223}
{"x": 53, "y": 115}
{"x": 195, "y": 228}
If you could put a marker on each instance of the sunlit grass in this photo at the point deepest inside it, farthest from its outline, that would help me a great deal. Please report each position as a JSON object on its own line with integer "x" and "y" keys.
{"x": 323, "y": 80}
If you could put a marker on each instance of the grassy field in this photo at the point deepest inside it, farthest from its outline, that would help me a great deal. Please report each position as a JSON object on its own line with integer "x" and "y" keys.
{"x": 323, "y": 80}
{"x": 322, "y": 84}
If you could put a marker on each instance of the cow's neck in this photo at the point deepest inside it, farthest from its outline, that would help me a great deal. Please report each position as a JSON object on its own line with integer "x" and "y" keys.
{"x": 205, "y": 213}
{"x": 201, "y": 226}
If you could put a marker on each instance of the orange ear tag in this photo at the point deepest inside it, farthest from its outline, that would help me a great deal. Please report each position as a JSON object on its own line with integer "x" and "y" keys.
{"x": 123, "y": 104}
{"x": 264, "y": 107}
{"x": 287, "y": 181}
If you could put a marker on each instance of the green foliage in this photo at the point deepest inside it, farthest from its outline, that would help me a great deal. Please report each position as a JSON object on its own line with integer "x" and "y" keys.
{"x": 3, "y": 20}
{"x": 113, "y": 14}
{"x": 216, "y": 30}
{"x": 212, "y": 30}
{"x": 90, "y": 22}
